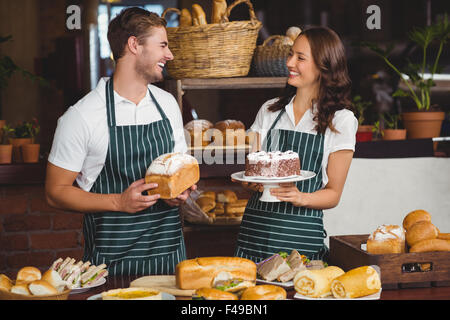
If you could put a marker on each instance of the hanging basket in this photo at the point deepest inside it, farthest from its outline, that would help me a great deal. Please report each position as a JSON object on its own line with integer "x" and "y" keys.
{"x": 216, "y": 50}
{"x": 270, "y": 58}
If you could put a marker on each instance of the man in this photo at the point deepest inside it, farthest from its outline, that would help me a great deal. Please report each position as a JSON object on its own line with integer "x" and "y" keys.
{"x": 106, "y": 141}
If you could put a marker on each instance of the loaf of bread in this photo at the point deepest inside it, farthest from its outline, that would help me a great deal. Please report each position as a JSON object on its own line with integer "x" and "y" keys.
{"x": 198, "y": 15}
{"x": 386, "y": 239}
{"x": 316, "y": 283}
{"x": 28, "y": 274}
{"x": 174, "y": 173}
{"x": 226, "y": 196}
{"x": 198, "y": 134}
{"x": 414, "y": 217}
{"x": 431, "y": 245}
{"x": 206, "y": 203}
{"x": 208, "y": 272}
{"x": 5, "y": 282}
{"x": 233, "y": 132}
{"x": 358, "y": 282}
{"x": 219, "y": 8}
{"x": 419, "y": 231}
{"x": 185, "y": 18}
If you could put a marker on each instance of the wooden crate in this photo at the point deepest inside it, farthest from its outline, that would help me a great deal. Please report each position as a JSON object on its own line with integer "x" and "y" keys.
{"x": 397, "y": 270}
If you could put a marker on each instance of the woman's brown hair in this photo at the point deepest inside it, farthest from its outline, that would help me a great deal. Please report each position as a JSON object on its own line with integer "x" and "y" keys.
{"x": 334, "y": 83}
{"x": 129, "y": 22}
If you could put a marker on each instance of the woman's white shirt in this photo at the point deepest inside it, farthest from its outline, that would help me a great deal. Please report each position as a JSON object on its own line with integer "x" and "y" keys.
{"x": 344, "y": 121}
{"x": 81, "y": 138}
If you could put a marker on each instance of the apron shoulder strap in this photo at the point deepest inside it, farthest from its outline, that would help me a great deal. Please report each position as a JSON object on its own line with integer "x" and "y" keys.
{"x": 163, "y": 115}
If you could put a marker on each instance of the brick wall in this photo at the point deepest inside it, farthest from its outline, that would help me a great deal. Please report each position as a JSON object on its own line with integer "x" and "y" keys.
{"x": 34, "y": 234}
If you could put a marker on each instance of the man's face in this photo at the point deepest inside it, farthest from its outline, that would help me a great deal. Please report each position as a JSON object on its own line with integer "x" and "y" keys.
{"x": 153, "y": 54}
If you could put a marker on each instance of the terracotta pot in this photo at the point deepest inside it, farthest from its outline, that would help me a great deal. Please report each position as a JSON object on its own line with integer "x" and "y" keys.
{"x": 394, "y": 134}
{"x": 17, "y": 151}
{"x": 30, "y": 152}
{"x": 364, "y": 133}
{"x": 425, "y": 124}
{"x": 5, "y": 153}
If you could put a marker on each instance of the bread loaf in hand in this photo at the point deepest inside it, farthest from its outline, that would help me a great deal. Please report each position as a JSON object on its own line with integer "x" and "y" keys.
{"x": 174, "y": 173}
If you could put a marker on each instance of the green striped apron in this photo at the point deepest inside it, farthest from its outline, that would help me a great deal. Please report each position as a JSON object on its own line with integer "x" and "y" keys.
{"x": 149, "y": 242}
{"x": 270, "y": 227}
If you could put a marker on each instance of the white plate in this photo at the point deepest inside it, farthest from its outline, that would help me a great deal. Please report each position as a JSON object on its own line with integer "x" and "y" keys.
{"x": 270, "y": 183}
{"x": 84, "y": 289}
{"x": 164, "y": 296}
{"x": 288, "y": 284}
{"x": 375, "y": 296}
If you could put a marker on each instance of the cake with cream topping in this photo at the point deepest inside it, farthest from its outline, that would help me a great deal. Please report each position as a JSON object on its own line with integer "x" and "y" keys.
{"x": 276, "y": 164}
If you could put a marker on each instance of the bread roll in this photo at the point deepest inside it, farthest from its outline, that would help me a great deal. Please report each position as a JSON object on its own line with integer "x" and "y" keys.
{"x": 358, "y": 282}
{"x": 233, "y": 132}
{"x": 293, "y": 32}
{"x": 41, "y": 288}
{"x": 431, "y": 245}
{"x": 219, "y": 8}
{"x": 316, "y": 283}
{"x": 264, "y": 292}
{"x": 213, "y": 294}
{"x": 53, "y": 278}
{"x": 174, "y": 173}
{"x": 422, "y": 230}
{"x": 226, "y": 196}
{"x": 198, "y": 132}
{"x": 206, "y": 203}
{"x": 198, "y": 15}
{"x": 415, "y": 216}
{"x": 219, "y": 209}
{"x": 444, "y": 236}
{"x": 185, "y": 18}
{"x": 386, "y": 239}
{"x": 208, "y": 194}
{"x": 5, "y": 282}
{"x": 236, "y": 208}
{"x": 21, "y": 288}
{"x": 28, "y": 274}
{"x": 204, "y": 272}
{"x": 134, "y": 293}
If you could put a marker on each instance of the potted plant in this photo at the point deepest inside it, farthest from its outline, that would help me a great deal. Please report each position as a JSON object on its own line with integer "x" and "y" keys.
{"x": 5, "y": 149}
{"x": 426, "y": 121}
{"x": 24, "y": 147}
{"x": 391, "y": 129}
{"x": 364, "y": 132}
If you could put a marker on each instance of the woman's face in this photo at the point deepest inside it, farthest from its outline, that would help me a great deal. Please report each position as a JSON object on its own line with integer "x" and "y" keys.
{"x": 303, "y": 72}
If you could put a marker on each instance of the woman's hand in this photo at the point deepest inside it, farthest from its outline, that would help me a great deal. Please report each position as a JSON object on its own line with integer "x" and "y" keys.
{"x": 132, "y": 200}
{"x": 181, "y": 198}
{"x": 251, "y": 186}
{"x": 288, "y": 192}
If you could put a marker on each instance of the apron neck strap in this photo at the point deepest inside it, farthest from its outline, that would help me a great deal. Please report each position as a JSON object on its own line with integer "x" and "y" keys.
{"x": 110, "y": 105}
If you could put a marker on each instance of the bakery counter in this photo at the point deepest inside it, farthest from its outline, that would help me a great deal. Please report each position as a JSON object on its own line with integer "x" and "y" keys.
{"x": 431, "y": 293}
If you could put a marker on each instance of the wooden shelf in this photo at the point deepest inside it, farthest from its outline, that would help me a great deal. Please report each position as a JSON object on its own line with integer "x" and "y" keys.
{"x": 177, "y": 87}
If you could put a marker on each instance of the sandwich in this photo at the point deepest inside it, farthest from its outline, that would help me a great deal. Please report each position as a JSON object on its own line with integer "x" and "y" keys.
{"x": 282, "y": 267}
{"x": 80, "y": 274}
{"x": 93, "y": 274}
{"x": 229, "y": 274}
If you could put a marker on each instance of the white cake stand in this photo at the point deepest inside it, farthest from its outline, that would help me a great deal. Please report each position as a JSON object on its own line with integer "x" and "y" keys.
{"x": 270, "y": 183}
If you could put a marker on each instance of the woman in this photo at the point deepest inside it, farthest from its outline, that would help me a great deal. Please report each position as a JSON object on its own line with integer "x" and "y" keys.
{"x": 313, "y": 118}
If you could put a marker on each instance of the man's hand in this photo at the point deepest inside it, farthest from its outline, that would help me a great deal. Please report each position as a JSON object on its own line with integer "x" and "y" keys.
{"x": 132, "y": 200}
{"x": 181, "y": 198}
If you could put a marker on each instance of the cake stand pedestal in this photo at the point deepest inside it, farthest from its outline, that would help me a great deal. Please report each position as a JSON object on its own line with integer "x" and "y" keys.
{"x": 270, "y": 183}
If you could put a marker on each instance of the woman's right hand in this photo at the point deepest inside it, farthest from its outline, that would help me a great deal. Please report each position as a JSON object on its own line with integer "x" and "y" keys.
{"x": 132, "y": 200}
{"x": 251, "y": 186}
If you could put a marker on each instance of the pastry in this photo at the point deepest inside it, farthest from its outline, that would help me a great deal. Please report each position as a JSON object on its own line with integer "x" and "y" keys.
{"x": 264, "y": 292}
{"x": 415, "y": 216}
{"x": 431, "y": 245}
{"x": 219, "y": 9}
{"x": 272, "y": 164}
{"x": 198, "y": 15}
{"x": 233, "y": 132}
{"x": 358, "y": 282}
{"x": 185, "y": 18}
{"x": 422, "y": 230}
{"x": 316, "y": 283}
{"x": 197, "y": 133}
{"x": 226, "y": 196}
{"x": 206, "y": 203}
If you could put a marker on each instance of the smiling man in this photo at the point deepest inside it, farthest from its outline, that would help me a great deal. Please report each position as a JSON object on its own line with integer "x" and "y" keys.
{"x": 103, "y": 146}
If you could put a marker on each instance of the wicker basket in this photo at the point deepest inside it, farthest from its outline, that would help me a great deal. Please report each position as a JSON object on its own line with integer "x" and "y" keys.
{"x": 270, "y": 58}
{"x": 216, "y": 50}
{"x": 6, "y": 295}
